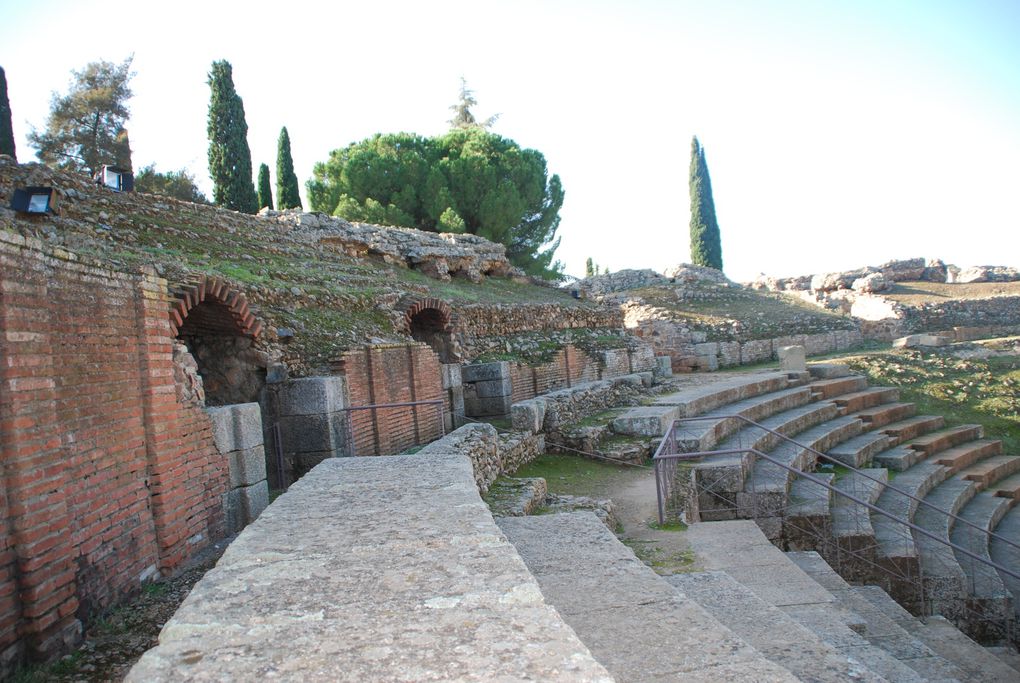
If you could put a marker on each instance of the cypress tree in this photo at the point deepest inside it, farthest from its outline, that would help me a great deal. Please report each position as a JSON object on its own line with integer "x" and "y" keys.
{"x": 6, "y": 129}
{"x": 229, "y": 154}
{"x": 287, "y": 193}
{"x": 706, "y": 245}
{"x": 265, "y": 193}
{"x": 589, "y": 267}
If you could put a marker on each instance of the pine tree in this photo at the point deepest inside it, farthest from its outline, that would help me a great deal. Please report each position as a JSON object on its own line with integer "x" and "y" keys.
{"x": 265, "y": 193}
{"x": 706, "y": 245}
{"x": 287, "y": 192}
{"x": 229, "y": 154}
{"x": 6, "y": 129}
{"x": 85, "y": 129}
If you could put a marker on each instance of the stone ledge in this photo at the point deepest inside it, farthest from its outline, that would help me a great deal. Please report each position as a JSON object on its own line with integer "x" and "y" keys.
{"x": 414, "y": 582}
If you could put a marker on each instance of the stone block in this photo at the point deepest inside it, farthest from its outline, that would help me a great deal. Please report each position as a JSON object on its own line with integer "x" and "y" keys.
{"x": 647, "y": 378}
{"x": 634, "y": 380}
{"x": 236, "y": 427}
{"x": 246, "y": 467}
{"x": 493, "y": 388}
{"x": 233, "y": 513}
{"x": 457, "y": 402}
{"x": 486, "y": 407}
{"x": 451, "y": 375}
{"x": 663, "y": 367}
{"x": 482, "y": 372}
{"x": 792, "y": 359}
{"x": 307, "y": 433}
{"x": 828, "y": 370}
{"x": 706, "y": 363}
{"x": 528, "y": 416}
{"x": 646, "y": 420}
{"x": 254, "y": 499}
{"x": 313, "y": 395}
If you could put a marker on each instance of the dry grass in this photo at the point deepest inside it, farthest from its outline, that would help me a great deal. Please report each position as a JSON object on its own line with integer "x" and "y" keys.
{"x": 918, "y": 293}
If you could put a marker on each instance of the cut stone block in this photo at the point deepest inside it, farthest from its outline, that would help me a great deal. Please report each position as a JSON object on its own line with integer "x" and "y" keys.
{"x": 309, "y": 433}
{"x": 485, "y": 371}
{"x": 646, "y": 420}
{"x": 236, "y": 427}
{"x": 663, "y": 366}
{"x": 528, "y": 416}
{"x": 828, "y": 370}
{"x": 486, "y": 407}
{"x": 313, "y": 396}
{"x": 247, "y": 467}
{"x": 451, "y": 375}
{"x": 492, "y": 388}
{"x": 254, "y": 499}
{"x": 792, "y": 359}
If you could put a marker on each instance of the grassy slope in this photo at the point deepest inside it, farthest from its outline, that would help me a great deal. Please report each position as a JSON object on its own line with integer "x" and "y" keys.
{"x": 918, "y": 293}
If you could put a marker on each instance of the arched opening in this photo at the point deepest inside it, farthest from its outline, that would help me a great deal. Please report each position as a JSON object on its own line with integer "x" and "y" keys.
{"x": 432, "y": 326}
{"x": 215, "y": 324}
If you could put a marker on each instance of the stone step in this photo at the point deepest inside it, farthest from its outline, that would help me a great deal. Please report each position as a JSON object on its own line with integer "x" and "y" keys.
{"x": 898, "y": 458}
{"x": 827, "y": 388}
{"x": 881, "y": 630}
{"x": 1007, "y": 488}
{"x": 1008, "y": 654}
{"x": 853, "y": 544}
{"x": 894, "y": 539}
{"x": 886, "y": 414}
{"x": 943, "y": 575}
{"x": 947, "y": 641}
{"x": 703, "y": 434}
{"x": 828, "y": 370}
{"x": 869, "y": 398}
{"x": 638, "y": 626}
{"x": 808, "y": 521}
{"x": 991, "y": 470}
{"x": 1006, "y": 554}
{"x": 776, "y": 580}
{"x": 946, "y": 438}
{"x": 699, "y": 400}
{"x": 964, "y": 455}
{"x": 913, "y": 427}
{"x": 789, "y": 423}
{"x": 770, "y": 630}
{"x": 801, "y": 452}
{"x": 859, "y": 451}
{"x": 984, "y": 511}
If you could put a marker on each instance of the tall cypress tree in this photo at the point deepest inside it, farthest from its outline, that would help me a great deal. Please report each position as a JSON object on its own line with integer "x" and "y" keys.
{"x": 265, "y": 193}
{"x": 6, "y": 129}
{"x": 229, "y": 155}
{"x": 706, "y": 245}
{"x": 287, "y": 191}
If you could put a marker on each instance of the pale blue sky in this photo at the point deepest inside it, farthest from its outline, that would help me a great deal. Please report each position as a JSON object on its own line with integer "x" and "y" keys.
{"x": 837, "y": 134}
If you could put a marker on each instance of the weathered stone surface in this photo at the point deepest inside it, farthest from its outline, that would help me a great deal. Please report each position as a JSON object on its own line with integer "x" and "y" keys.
{"x": 646, "y": 420}
{"x": 254, "y": 500}
{"x": 988, "y": 274}
{"x": 492, "y": 388}
{"x": 415, "y": 583}
{"x": 528, "y": 416}
{"x": 663, "y": 367}
{"x": 914, "y": 340}
{"x": 495, "y": 406}
{"x": 236, "y": 427}
{"x": 482, "y": 372}
{"x": 247, "y": 467}
{"x": 871, "y": 283}
{"x": 313, "y": 395}
{"x": 792, "y": 359}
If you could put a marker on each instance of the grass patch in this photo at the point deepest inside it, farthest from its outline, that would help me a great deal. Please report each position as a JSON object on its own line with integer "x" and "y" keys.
{"x": 674, "y": 525}
{"x": 570, "y": 474}
{"x": 42, "y": 673}
{"x": 660, "y": 560}
{"x": 973, "y": 391}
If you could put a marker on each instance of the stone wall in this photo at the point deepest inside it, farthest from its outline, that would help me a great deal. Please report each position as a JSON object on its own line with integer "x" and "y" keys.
{"x": 998, "y": 312}
{"x": 689, "y": 349}
{"x": 549, "y": 412}
{"x": 491, "y": 454}
{"x": 108, "y": 478}
{"x": 571, "y": 366}
{"x": 476, "y": 322}
{"x": 394, "y": 373}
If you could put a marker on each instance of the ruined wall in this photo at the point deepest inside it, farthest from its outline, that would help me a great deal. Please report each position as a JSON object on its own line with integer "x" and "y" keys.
{"x": 107, "y": 478}
{"x": 496, "y": 320}
{"x": 571, "y": 366}
{"x": 394, "y": 374}
{"x": 998, "y": 312}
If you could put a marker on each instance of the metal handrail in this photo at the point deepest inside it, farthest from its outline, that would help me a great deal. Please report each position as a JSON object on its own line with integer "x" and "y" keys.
{"x": 829, "y": 458}
{"x": 855, "y": 499}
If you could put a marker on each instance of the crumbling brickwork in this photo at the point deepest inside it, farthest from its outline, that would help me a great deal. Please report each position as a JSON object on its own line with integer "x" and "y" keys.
{"x": 107, "y": 478}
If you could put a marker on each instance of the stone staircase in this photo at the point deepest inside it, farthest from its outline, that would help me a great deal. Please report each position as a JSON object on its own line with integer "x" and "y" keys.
{"x": 754, "y": 613}
{"x": 950, "y": 468}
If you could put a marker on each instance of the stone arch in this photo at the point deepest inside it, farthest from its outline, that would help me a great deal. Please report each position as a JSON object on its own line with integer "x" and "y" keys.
{"x": 218, "y": 327}
{"x": 433, "y": 322}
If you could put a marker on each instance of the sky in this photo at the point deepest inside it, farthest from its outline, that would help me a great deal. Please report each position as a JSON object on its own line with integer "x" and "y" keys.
{"x": 837, "y": 134}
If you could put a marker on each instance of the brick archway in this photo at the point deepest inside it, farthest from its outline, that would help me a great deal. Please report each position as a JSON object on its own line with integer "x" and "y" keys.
{"x": 432, "y": 321}
{"x": 216, "y": 291}
{"x": 216, "y": 324}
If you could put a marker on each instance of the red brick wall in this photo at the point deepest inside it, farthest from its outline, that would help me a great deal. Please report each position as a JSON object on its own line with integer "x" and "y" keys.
{"x": 107, "y": 478}
{"x": 393, "y": 374}
{"x": 568, "y": 367}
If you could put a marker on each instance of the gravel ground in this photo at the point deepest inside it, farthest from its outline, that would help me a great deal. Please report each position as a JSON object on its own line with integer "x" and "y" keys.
{"x": 114, "y": 643}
